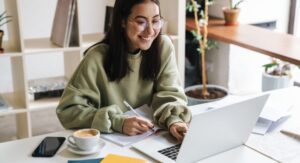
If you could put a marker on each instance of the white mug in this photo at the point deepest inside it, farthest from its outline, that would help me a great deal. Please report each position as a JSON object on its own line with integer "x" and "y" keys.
{"x": 84, "y": 139}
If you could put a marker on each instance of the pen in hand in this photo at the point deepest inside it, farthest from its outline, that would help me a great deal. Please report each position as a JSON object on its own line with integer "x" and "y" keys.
{"x": 128, "y": 106}
{"x": 136, "y": 113}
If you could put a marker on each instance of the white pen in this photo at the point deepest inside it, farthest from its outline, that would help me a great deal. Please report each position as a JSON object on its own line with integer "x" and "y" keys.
{"x": 128, "y": 106}
{"x": 137, "y": 114}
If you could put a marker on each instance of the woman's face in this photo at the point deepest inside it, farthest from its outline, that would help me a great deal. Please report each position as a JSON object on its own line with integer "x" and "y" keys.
{"x": 142, "y": 26}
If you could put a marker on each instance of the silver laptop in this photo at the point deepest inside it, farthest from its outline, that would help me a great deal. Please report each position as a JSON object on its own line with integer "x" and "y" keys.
{"x": 211, "y": 132}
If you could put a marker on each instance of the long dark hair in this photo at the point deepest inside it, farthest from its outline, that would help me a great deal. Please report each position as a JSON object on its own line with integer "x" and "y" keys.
{"x": 116, "y": 63}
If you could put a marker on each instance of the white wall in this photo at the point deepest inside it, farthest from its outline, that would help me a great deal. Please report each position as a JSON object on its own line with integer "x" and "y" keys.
{"x": 5, "y": 77}
{"x": 92, "y": 15}
{"x": 244, "y": 67}
{"x": 255, "y": 11}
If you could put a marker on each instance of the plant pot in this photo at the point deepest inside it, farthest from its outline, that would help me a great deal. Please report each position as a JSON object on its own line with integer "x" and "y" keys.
{"x": 231, "y": 16}
{"x": 1, "y": 39}
{"x": 191, "y": 91}
{"x": 271, "y": 82}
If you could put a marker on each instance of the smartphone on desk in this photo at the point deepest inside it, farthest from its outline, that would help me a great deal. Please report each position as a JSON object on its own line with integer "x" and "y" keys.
{"x": 48, "y": 147}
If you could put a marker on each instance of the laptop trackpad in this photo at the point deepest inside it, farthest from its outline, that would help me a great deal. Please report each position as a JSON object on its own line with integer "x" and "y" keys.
{"x": 154, "y": 143}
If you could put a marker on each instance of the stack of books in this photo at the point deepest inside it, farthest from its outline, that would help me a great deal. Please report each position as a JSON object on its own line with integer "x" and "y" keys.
{"x": 65, "y": 24}
{"x": 46, "y": 87}
{"x": 110, "y": 158}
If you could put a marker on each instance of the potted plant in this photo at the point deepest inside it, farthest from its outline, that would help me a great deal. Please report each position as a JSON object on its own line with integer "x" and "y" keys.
{"x": 277, "y": 75}
{"x": 231, "y": 12}
{"x": 4, "y": 19}
{"x": 202, "y": 93}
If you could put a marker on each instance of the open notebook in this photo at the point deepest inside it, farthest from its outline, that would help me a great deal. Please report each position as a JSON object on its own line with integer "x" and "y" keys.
{"x": 125, "y": 140}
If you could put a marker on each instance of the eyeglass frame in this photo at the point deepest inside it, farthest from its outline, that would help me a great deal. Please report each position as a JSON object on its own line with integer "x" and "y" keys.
{"x": 161, "y": 20}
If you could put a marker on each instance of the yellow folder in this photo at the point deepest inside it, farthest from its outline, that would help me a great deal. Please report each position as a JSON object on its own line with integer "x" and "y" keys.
{"x": 112, "y": 158}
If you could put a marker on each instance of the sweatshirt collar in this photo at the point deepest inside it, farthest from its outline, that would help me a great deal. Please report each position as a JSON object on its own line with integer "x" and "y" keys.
{"x": 135, "y": 55}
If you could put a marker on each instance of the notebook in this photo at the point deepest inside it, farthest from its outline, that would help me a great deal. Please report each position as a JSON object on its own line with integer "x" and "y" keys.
{"x": 125, "y": 140}
{"x": 210, "y": 132}
{"x": 112, "y": 158}
{"x": 97, "y": 160}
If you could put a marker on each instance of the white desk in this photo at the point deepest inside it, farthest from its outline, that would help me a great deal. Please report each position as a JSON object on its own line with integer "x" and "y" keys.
{"x": 19, "y": 151}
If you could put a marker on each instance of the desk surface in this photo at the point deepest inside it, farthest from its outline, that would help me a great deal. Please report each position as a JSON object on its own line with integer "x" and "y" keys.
{"x": 19, "y": 151}
{"x": 283, "y": 46}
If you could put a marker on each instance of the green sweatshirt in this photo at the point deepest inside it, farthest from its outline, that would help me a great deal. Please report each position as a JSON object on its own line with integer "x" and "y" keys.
{"x": 91, "y": 100}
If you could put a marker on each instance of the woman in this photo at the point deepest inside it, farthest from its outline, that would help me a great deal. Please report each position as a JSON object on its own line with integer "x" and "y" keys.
{"x": 135, "y": 63}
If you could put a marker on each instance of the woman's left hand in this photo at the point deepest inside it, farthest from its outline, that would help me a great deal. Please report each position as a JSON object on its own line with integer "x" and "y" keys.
{"x": 178, "y": 130}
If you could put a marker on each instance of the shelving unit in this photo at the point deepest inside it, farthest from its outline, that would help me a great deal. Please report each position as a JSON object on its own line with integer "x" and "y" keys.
{"x": 29, "y": 37}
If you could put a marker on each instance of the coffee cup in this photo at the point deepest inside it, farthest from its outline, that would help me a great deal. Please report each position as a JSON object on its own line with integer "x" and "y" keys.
{"x": 84, "y": 139}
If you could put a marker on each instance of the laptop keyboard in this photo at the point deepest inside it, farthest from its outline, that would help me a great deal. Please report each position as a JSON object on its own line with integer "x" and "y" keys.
{"x": 171, "y": 152}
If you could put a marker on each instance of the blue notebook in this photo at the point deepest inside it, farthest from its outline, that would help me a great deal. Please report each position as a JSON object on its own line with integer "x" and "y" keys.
{"x": 97, "y": 160}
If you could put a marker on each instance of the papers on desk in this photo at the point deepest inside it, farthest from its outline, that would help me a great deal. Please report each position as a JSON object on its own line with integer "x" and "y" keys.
{"x": 271, "y": 118}
{"x": 278, "y": 146}
{"x": 277, "y": 109}
{"x": 275, "y": 144}
{"x": 125, "y": 140}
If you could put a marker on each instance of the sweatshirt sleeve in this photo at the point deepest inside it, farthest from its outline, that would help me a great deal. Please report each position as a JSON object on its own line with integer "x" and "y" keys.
{"x": 169, "y": 101}
{"x": 80, "y": 104}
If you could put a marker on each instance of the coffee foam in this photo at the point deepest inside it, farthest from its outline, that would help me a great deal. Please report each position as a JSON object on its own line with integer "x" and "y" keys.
{"x": 85, "y": 133}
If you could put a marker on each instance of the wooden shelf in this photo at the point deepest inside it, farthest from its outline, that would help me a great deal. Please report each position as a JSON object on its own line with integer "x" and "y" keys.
{"x": 11, "y": 99}
{"x": 90, "y": 39}
{"x": 10, "y": 54}
{"x": 16, "y": 106}
{"x": 45, "y": 103}
{"x": 44, "y": 45}
{"x": 278, "y": 45}
{"x": 11, "y": 112}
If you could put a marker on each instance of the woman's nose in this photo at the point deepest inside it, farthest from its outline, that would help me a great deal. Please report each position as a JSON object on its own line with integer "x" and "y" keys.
{"x": 149, "y": 29}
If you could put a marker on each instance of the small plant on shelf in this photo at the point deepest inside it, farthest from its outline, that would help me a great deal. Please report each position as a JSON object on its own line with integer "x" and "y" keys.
{"x": 4, "y": 19}
{"x": 278, "y": 68}
{"x": 231, "y": 12}
{"x": 277, "y": 74}
{"x": 235, "y": 5}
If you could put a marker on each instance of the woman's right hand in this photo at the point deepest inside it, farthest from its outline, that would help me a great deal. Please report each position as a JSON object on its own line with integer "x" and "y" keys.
{"x": 136, "y": 125}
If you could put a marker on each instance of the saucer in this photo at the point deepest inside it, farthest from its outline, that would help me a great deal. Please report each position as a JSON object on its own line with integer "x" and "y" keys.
{"x": 78, "y": 151}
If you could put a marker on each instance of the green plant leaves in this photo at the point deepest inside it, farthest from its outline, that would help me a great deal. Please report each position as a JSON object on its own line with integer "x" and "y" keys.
{"x": 4, "y": 19}
{"x": 236, "y": 5}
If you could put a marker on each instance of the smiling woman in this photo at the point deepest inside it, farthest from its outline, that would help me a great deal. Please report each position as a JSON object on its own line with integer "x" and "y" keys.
{"x": 135, "y": 63}
{"x": 142, "y": 26}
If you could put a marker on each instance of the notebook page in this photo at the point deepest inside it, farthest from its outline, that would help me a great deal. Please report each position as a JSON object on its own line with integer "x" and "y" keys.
{"x": 125, "y": 140}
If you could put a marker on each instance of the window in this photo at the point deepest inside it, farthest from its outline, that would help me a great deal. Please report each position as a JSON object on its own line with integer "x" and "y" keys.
{"x": 294, "y": 29}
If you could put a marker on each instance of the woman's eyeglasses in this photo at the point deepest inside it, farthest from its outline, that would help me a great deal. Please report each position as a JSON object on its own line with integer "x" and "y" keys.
{"x": 143, "y": 24}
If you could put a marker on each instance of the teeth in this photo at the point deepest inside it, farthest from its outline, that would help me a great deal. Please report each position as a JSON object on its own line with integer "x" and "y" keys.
{"x": 146, "y": 38}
